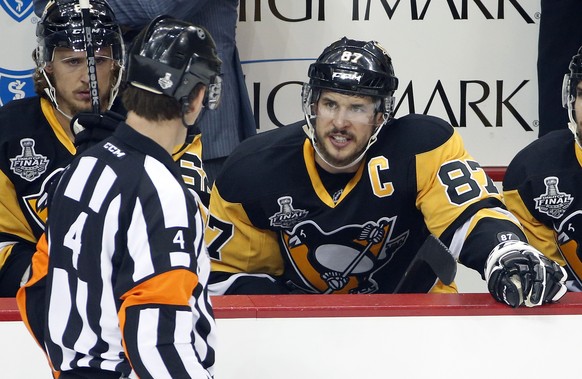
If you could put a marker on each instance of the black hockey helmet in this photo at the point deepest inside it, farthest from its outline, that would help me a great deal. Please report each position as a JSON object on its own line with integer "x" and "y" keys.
{"x": 362, "y": 68}
{"x": 356, "y": 67}
{"x": 171, "y": 57}
{"x": 61, "y": 25}
{"x": 571, "y": 80}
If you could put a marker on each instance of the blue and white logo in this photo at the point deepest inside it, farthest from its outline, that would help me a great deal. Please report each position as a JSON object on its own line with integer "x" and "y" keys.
{"x": 15, "y": 85}
{"x": 17, "y": 9}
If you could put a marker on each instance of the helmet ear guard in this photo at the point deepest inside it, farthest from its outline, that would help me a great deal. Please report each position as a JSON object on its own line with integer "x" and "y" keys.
{"x": 213, "y": 93}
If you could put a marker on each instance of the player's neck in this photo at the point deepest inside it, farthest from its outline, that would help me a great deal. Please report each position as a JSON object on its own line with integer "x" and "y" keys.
{"x": 168, "y": 133}
{"x": 65, "y": 123}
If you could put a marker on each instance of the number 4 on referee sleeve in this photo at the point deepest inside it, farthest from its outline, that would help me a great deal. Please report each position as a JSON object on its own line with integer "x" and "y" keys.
{"x": 179, "y": 239}
{"x": 72, "y": 239}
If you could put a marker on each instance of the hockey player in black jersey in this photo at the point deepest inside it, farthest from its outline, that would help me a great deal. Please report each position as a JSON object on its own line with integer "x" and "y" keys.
{"x": 127, "y": 267}
{"x": 36, "y": 141}
{"x": 341, "y": 202}
{"x": 542, "y": 185}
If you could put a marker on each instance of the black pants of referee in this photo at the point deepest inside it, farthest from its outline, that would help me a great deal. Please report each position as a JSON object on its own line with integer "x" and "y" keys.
{"x": 90, "y": 373}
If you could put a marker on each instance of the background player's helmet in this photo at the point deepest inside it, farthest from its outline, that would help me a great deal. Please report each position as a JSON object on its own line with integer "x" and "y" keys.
{"x": 171, "y": 57}
{"x": 61, "y": 25}
{"x": 571, "y": 80}
{"x": 362, "y": 68}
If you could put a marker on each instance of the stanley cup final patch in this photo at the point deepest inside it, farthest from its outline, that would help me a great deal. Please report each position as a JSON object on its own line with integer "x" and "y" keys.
{"x": 29, "y": 165}
{"x": 553, "y": 203}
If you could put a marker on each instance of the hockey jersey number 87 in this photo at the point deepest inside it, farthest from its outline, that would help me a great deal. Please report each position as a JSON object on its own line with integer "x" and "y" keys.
{"x": 314, "y": 232}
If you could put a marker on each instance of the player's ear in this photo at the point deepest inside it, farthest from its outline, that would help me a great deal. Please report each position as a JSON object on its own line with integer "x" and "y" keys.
{"x": 197, "y": 101}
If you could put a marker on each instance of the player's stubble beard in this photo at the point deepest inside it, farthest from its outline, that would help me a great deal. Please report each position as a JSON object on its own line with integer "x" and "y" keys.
{"x": 323, "y": 140}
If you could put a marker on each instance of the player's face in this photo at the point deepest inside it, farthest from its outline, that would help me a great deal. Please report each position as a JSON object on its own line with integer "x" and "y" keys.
{"x": 70, "y": 78}
{"x": 343, "y": 126}
{"x": 578, "y": 108}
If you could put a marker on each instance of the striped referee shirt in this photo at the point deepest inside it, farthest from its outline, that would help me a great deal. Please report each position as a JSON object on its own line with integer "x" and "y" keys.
{"x": 126, "y": 287}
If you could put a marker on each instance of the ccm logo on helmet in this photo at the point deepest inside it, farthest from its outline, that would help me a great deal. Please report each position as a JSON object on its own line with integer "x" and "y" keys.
{"x": 114, "y": 149}
{"x": 347, "y": 76}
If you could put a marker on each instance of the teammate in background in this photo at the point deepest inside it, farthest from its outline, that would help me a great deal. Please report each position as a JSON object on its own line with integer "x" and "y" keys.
{"x": 234, "y": 121}
{"x": 542, "y": 185}
{"x": 558, "y": 22}
{"x": 126, "y": 286}
{"x": 35, "y": 138}
{"x": 341, "y": 202}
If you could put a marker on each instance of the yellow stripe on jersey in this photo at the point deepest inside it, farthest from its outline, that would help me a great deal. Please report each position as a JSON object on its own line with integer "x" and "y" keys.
{"x": 12, "y": 220}
{"x": 538, "y": 235}
{"x": 447, "y": 176}
{"x": 309, "y": 158}
{"x": 251, "y": 250}
{"x": 4, "y": 253}
{"x": 49, "y": 112}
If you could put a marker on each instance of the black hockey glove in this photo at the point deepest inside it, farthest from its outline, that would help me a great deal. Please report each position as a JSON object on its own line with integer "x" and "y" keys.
{"x": 516, "y": 273}
{"x": 90, "y": 128}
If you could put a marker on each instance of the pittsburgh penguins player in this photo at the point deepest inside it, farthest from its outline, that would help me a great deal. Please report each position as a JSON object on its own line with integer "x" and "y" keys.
{"x": 36, "y": 141}
{"x": 341, "y": 202}
{"x": 542, "y": 185}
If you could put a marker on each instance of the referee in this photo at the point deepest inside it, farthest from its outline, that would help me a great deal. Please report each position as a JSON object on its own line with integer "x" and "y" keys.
{"x": 126, "y": 284}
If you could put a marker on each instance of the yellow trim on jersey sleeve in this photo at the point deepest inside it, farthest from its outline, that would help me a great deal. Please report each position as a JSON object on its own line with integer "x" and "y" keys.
{"x": 49, "y": 113}
{"x": 578, "y": 151}
{"x": 538, "y": 235}
{"x": 4, "y": 254}
{"x": 12, "y": 220}
{"x": 443, "y": 197}
{"x": 247, "y": 249}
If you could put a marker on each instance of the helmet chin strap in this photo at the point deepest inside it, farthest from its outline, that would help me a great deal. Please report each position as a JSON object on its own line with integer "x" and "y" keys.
{"x": 192, "y": 129}
{"x": 51, "y": 92}
{"x": 573, "y": 125}
{"x": 574, "y": 129}
{"x": 309, "y": 129}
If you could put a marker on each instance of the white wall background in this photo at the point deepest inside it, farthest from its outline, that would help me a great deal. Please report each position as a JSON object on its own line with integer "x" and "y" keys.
{"x": 454, "y": 347}
{"x": 488, "y": 47}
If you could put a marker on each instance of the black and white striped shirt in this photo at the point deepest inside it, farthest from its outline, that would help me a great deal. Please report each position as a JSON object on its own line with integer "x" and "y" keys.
{"x": 128, "y": 265}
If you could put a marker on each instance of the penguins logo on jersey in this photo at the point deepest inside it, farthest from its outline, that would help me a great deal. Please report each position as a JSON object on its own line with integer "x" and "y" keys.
{"x": 29, "y": 165}
{"x": 343, "y": 260}
{"x": 553, "y": 203}
{"x": 36, "y": 204}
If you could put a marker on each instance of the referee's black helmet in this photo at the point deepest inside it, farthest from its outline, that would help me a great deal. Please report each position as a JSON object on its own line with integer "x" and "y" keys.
{"x": 171, "y": 57}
